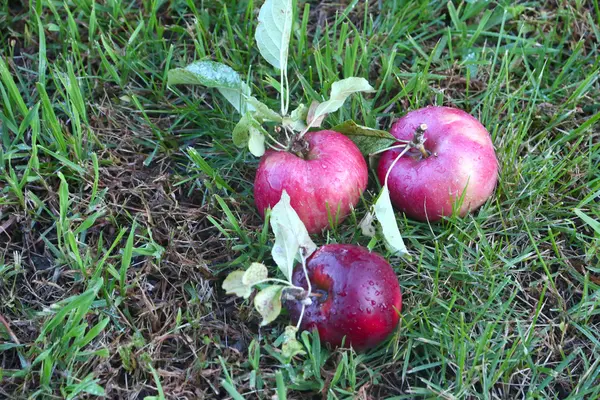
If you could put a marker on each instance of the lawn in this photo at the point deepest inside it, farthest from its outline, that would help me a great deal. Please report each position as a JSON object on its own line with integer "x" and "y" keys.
{"x": 124, "y": 202}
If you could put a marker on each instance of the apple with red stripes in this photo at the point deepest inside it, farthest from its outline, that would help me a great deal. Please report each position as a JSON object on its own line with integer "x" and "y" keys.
{"x": 451, "y": 165}
{"x": 324, "y": 177}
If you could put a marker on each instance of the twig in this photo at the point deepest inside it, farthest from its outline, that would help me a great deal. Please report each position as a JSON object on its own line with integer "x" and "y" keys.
{"x": 10, "y": 332}
{"x": 394, "y": 163}
{"x": 301, "y": 316}
{"x": 4, "y": 227}
{"x": 307, "y": 284}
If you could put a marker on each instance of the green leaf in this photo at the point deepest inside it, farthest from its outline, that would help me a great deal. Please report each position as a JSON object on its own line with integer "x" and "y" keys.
{"x": 233, "y": 284}
{"x": 247, "y": 131}
{"x": 92, "y": 333}
{"x": 315, "y": 122}
{"x": 238, "y": 97}
{"x": 82, "y": 302}
{"x": 213, "y": 75}
{"x": 241, "y": 131}
{"x": 256, "y": 143}
{"x": 207, "y": 169}
{"x": 368, "y": 140}
{"x": 207, "y": 73}
{"x": 595, "y": 225}
{"x": 126, "y": 259}
{"x": 268, "y": 303}
{"x": 274, "y": 30}
{"x": 296, "y": 121}
{"x": 63, "y": 160}
{"x": 389, "y": 226}
{"x": 290, "y": 236}
{"x": 281, "y": 389}
{"x": 291, "y": 346}
{"x": 262, "y": 112}
{"x": 86, "y": 386}
{"x": 255, "y": 273}
{"x": 340, "y": 91}
{"x": 235, "y": 395}
{"x": 159, "y": 388}
{"x": 8, "y": 346}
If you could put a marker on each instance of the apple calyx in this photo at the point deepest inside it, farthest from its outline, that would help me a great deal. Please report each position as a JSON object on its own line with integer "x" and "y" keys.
{"x": 300, "y": 294}
{"x": 418, "y": 141}
{"x": 299, "y": 146}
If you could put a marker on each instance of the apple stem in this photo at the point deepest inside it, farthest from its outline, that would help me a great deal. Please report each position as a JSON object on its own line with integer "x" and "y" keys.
{"x": 397, "y": 146}
{"x": 387, "y": 175}
{"x": 301, "y": 316}
{"x": 286, "y": 130}
{"x": 419, "y": 139}
{"x": 308, "y": 284}
{"x": 416, "y": 143}
{"x": 278, "y": 281}
{"x": 274, "y": 147}
{"x": 281, "y": 145}
{"x": 306, "y": 275}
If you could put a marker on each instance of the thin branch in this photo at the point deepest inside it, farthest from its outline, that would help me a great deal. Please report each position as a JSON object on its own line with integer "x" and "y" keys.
{"x": 387, "y": 175}
{"x": 306, "y": 274}
{"x": 281, "y": 85}
{"x": 12, "y": 335}
{"x": 398, "y": 146}
{"x": 301, "y": 316}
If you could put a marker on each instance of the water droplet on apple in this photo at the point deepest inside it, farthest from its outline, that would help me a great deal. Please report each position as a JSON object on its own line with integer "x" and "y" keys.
{"x": 373, "y": 302}
{"x": 371, "y": 283}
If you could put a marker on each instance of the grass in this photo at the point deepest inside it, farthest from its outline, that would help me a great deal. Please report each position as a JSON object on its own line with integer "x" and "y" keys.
{"x": 115, "y": 236}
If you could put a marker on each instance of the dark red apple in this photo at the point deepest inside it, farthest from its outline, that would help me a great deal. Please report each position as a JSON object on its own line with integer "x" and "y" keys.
{"x": 329, "y": 173}
{"x": 358, "y": 296}
{"x": 458, "y": 157}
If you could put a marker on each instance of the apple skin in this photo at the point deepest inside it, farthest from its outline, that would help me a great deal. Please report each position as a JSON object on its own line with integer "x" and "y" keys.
{"x": 462, "y": 156}
{"x": 333, "y": 173}
{"x": 360, "y": 296}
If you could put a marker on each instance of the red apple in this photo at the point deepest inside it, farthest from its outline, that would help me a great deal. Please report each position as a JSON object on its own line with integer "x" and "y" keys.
{"x": 358, "y": 296}
{"x": 458, "y": 158}
{"x": 330, "y": 173}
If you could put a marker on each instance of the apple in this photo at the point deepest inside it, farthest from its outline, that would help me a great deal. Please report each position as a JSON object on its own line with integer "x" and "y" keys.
{"x": 356, "y": 295}
{"x": 324, "y": 176}
{"x": 453, "y": 157}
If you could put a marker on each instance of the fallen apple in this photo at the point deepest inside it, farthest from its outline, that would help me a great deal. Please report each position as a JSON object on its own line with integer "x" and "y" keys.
{"x": 451, "y": 159}
{"x": 325, "y": 176}
{"x": 355, "y": 294}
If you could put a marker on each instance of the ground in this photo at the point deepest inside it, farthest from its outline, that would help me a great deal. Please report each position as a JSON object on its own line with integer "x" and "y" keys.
{"x": 115, "y": 237}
